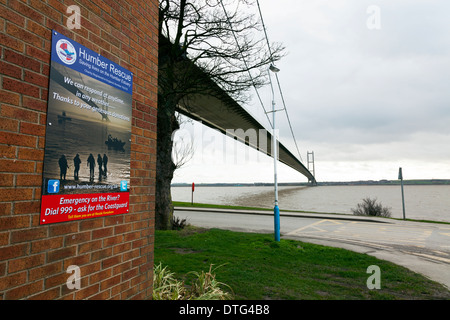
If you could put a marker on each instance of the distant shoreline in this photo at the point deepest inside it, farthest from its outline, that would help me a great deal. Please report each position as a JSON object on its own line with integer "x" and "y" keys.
{"x": 331, "y": 183}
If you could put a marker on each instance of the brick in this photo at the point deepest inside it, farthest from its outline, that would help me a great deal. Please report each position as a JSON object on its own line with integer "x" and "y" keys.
{"x": 9, "y": 97}
{"x": 18, "y": 140}
{"x": 80, "y": 237}
{"x": 91, "y": 224}
{"x": 11, "y": 42}
{"x": 24, "y": 291}
{"x": 27, "y": 11}
{"x": 47, "y": 11}
{"x": 21, "y": 60}
{"x": 11, "y": 252}
{"x": 9, "y": 124}
{"x": 19, "y": 114}
{"x": 24, "y": 35}
{"x": 64, "y": 228}
{"x": 10, "y": 70}
{"x": 44, "y": 271}
{"x": 31, "y": 128}
{"x": 102, "y": 233}
{"x": 34, "y": 104}
{"x": 111, "y": 262}
{"x": 28, "y": 235}
{"x": 7, "y": 223}
{"x": 2, "y": 269}
{"x": 105, "y": 295}
{"x": 120, "y": 288}
{"x": 99, "y": 276}
{"x": 78, "y": 260}
{"x": 90, "y": 246}
{"x": 58, "y": 5}
{"x": 122, "y": 228}
{"x": 5, "y": 209}
{"x": 13, "y": 280}
{"x": 38, "y": 29}
{"x": 51, "y": 294}
{"x": 56, "y": 280}
{"x": 11, "y": 194}
{"x": 61, "y": 254}
{"x": 106, "y": 284}
{"x": 21, "y": 87}
{"x": 90, "y": 269}
{"x": 25, "y": 207}
{"x": 121, "y": 268}
{"x": 35, "y": 78}
{"x": 113, "y": 220}
{"x": 112, "y": 241}
{"x": 131, "y": 255}
{"x": 101, "y": 254}
{"x": 31, "y": 154}
{"x": 36, "y": 53}
{"x": 46, "y": 244}
{"x": 121, "y": 248}
{"x": 29, "y": 180}
{"x": 26, "y": 263}
{"x": 86, "y": 292}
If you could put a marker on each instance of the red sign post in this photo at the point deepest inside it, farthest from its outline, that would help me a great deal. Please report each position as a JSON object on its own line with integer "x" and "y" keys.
{"x": 192, "y": 196}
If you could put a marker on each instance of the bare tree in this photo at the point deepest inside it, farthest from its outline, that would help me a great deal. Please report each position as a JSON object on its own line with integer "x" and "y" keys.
{"x": 202, "y": 41}
{"x": 182, "y": 148}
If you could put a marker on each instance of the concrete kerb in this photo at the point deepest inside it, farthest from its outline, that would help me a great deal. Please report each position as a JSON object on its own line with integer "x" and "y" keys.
{"x": 288, "y": 214}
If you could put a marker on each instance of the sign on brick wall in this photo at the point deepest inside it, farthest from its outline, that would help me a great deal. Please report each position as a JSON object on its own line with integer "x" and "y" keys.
{"x": 87, "y": 143}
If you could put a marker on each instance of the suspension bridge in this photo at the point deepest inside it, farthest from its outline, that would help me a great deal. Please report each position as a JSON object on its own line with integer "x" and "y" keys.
{"x": 219, "y": 111}
{"x": 222, "y": 113}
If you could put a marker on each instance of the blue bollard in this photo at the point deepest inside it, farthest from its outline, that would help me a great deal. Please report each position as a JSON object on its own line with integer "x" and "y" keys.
{"x": 276, "y": 212}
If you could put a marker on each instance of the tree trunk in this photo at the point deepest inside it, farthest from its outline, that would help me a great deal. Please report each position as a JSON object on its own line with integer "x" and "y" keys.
{"x": 167, "y": 124}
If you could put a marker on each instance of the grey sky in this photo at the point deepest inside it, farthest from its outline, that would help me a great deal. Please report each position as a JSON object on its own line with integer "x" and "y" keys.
{"x": 365, "y": 101}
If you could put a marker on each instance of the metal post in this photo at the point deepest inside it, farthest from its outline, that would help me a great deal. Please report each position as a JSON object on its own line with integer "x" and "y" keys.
{"x": 400, "y": 176}
{"x": 310, "y": 159}
{"x": 276, "y": 210}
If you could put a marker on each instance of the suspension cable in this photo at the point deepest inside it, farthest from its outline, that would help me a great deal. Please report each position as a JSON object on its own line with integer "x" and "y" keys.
{"x": 245, "y": 62}
{"x": 278, "y": 81}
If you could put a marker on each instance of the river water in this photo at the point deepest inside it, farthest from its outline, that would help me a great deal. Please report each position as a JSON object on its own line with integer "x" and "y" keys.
{"x": 430, "y": 202}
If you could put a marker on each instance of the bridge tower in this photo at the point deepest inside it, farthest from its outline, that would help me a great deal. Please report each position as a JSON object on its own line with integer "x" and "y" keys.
{"x": 310, "y": 159}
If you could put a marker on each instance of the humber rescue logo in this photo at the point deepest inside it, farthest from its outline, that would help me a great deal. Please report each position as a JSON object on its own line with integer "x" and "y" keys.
{"x": 66, "y": 51}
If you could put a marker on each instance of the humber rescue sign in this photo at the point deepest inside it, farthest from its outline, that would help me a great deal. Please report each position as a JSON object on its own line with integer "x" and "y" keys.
{"x": 88, "y": 135}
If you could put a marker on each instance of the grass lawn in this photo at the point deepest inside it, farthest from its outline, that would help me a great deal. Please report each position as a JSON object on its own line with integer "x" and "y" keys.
{"x": 256, "y": 267}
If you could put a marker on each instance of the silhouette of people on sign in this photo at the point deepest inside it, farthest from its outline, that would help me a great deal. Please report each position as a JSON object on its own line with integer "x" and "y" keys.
{"x": 105, "y": 163}
{"x": 62, "y": 167}
{"x": 76, "y": 164}
{"x": 100, "y": 163}
{"x": 91, "y": 165}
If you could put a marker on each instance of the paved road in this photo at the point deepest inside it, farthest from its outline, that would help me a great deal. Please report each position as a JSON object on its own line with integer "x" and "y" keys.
{"x": 421, "y": 247}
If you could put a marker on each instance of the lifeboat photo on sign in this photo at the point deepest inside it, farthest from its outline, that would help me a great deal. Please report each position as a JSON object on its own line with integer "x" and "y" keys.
{"x": 86, "y": 170}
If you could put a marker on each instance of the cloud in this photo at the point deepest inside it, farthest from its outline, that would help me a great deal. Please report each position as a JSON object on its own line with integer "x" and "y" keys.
{"x": 365, "y": 101}
{"x": 355, "y": 94}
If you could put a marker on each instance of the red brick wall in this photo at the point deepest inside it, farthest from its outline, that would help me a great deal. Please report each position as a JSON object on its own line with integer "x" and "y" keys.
{"x": 115, "y": 254}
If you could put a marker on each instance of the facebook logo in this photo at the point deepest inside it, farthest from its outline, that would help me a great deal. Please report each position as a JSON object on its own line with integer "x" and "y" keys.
{"x": 53, "y": 186}
{"x": 123, "y": 185}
